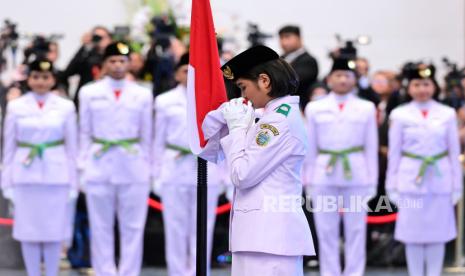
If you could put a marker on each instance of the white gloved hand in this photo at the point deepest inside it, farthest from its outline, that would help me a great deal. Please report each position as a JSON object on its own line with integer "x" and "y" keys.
{"x": 8, "y": 193}
{"x": 73, "y": 194}
{"x": 393, "y": 196}
{"x": 456, "y": 196}
{"x": 81, "y": 181}
{"x": 156, "y": 187}
{"x": 308, "y": 190}
{"x": 237, "y": 114}
{"x": 230, "y": 193}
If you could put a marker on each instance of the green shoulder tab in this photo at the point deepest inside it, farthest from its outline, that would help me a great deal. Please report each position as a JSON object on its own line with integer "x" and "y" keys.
{"x": 284, "y": 109}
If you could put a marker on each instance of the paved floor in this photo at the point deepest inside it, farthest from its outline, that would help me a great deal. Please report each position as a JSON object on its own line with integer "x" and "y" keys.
{"x": 226, "y": 272}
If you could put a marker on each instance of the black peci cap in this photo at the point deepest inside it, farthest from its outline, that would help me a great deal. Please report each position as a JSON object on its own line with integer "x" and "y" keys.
{"x": 419, "y": 71}
{"x": 343, "y": 63}
{"x": 116, "y": 49}
{"x": 245, "y": 61}
{"x": 241, "y": 64}
{"x": 41, "y": 65}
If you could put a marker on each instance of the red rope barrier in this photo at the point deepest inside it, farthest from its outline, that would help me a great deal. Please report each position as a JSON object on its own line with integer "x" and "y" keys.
{"x": 222, "y": 209}
{"x": 382, "y": 219}
{"x": 6, "y": 221}
{"x": 157, "y": 205}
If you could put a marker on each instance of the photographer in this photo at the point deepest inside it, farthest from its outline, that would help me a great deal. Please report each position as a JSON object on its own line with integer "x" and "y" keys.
{"x": 162, "y": 55}
{"x": 87, "y": 62}
{"x": 301, "y": 61}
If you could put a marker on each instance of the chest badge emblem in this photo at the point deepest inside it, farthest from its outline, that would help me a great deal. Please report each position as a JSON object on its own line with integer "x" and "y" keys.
{"x": 263, "y": 138}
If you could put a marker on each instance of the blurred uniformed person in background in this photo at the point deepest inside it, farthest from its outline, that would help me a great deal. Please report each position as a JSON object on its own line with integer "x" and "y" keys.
{"x": 424, "y": 174}
{"x": 115, "y": 136}
{"x": 342, "y": 164}
{"x": 39, "y": 174}
{"x": 175, "y": 176}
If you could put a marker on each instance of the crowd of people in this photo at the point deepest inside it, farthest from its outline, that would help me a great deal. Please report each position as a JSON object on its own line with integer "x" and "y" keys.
{"x": 122, "y": 133}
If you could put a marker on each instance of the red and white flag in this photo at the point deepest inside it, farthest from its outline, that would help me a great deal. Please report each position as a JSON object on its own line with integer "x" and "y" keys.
{"x": 205, "y": 85}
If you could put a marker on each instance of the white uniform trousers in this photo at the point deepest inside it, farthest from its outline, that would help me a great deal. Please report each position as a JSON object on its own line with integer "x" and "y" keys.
{"x": 180, "y": 223}
{"x": 129, "y": 204}
{"x": 327, "y": 223}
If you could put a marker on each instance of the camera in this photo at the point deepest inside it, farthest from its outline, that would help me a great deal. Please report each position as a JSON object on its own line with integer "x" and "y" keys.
{"x": 454, "y": 75}
{"x": 255, "y": 36}
{"x": 346, "y": 48}
{"x": 39, "y": 46}
{"x": 164, "y": 29}
{"x": 8, "y": 39}
{"x": 8, "y": 34}
{"x": 95, "y": 38}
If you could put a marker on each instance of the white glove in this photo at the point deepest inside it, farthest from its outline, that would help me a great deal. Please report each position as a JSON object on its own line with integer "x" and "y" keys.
{"x": 237, "y": 114}
{"x": 156, "y": 187}
{"x": 393, "y": 196}
{"x": 81, "y": 181}
{"x": 73, "y": 194}
{"x": 308, "y": 191}
{"x": 8, "y": 193}
{"x": 456, "y": 196}
{"x": 230, "y": 193}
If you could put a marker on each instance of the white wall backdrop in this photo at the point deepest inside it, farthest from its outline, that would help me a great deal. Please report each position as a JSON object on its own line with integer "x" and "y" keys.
{"x": 400, "y": 29}
{"x": 69, "y": 17}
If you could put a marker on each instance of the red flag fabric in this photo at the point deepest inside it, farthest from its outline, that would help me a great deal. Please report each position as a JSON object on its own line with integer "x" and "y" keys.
{"x": 205, "y": 85}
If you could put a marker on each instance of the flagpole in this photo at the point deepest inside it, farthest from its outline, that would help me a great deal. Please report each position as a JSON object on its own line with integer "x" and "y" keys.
{"x": 201, "y": 218}
{"x": 205, "y": 93}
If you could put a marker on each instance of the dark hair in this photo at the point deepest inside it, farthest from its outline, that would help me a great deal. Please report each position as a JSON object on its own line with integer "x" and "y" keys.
{"x": 54, "y": 76}
{"x": 103, "y": 28}
{"x": 284, "y": 80}
{"x": 290, "y": 29}
{"x": 437, "y": 90}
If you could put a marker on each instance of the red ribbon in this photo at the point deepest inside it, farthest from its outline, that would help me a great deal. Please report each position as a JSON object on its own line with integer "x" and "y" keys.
{"x": 222, "y": 209}
{"x": 157, "y": 205}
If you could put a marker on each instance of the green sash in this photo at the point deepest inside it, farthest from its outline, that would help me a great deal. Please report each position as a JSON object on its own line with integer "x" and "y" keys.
{"x": 37, "y": 149}
{"x": 342, "y": 154}
{"x": 183, "y": 151}
{"x": 107, "y": 144}
{"x": 427, "y": 161}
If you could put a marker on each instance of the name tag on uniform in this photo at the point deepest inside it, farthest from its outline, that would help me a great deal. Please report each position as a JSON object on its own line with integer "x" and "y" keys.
{"x": 99, "y": 98}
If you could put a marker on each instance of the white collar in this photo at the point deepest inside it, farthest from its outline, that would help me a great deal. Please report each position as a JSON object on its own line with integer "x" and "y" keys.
{"x": 293, "y": 55}
{"x": 40, "y": 97}
{"x": 342, "y": 98}
{"x": 114, "y": 83}
{"x": 423, "y": 105}
{"x": 275, "y": 103}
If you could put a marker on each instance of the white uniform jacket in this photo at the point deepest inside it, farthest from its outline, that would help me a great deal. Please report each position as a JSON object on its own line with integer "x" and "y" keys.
{"x": 330, "y": 128}
{"x": 25, "y": 122}
{"x": 103, "y": 116}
